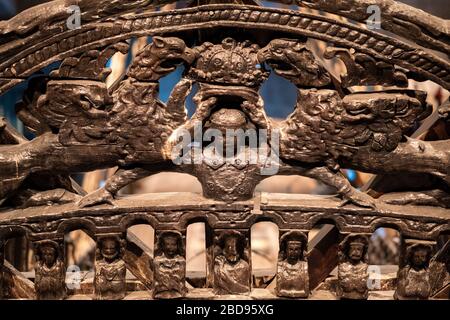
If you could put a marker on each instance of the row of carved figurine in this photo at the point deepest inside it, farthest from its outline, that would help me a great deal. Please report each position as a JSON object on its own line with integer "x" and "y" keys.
{"x": 232, "y": 272}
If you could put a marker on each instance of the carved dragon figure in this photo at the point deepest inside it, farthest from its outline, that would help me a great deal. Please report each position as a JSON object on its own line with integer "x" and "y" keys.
{"x": 326, "y": 131}
{"x": 78, "y": 120}
{"x": 364, "y": 131}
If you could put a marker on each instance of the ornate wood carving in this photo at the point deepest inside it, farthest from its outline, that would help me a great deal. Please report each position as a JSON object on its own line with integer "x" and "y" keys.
{"x": 110, "y": 269}
{"x": 292, "y": 273}
{"x": 169, "y": 266}
{"x": 352, "y": 269}
{"x": 80, "y": 125}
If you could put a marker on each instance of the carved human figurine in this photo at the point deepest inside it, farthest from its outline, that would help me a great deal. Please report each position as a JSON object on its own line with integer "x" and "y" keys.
{"x": 292, "y": 273}
{"x": 110, "y": 269}
{"x": 50, "y": 271}
{"x": 352, "y": 268}
{"x": 169, "y": 267}
{"x": 233, "y": 177}
{"x": 231, "y": 270}
{"x": 413, "y": 279}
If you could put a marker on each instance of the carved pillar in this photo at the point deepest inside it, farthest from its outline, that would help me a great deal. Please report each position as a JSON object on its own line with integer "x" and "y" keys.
{"x": 232, "y": 262}
{"x": 169, "y": 265}
{"x": 292, "y": 267}
{"x": 413, "y": 277}
{"x": 110, "y": 269}
{"x": 50, "y": 270}
{"x": 353, "y": 267}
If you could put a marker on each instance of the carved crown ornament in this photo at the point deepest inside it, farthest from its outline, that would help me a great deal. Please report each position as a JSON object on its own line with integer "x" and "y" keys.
{"x": 366, "y": 118}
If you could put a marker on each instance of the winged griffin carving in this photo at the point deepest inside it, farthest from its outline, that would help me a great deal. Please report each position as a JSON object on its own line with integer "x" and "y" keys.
{"x": 82, "y": 125}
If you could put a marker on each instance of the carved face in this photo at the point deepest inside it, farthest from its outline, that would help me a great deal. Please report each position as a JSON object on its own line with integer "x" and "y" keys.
{"x": 293, "y": 251}
{"x": 228, "y": 119}
{"x": 48, "y": 255}
{"x": 419, "y": 258}
{"x": 109, "y": 249}
{"x": 73, "y": 98}
{"x": 230, "y": 250}
{"x": 160, "y": 58}
{"x": 356, "y": 251}
{"x": 291, "y": 59}
{"x": 170, "y": 244}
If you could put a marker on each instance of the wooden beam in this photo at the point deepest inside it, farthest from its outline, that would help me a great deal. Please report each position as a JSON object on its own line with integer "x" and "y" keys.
{"x": 18, "y": 286}
{"x": 322, "y": 254}
{"x": 138, "y": 259}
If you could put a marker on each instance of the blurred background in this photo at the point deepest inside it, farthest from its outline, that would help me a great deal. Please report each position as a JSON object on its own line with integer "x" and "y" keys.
{"x": 385, "y": 242}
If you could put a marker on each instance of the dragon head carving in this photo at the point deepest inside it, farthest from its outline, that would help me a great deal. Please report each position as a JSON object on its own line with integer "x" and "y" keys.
{"x": 160, "y": 58}
{"x": 291, "y": 59}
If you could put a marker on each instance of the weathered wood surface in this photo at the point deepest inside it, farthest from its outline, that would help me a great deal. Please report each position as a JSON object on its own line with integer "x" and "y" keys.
{"x": 18, "y": 285}
{"x": 138, "y": 260}
{"x": 323, "y": 254}
{"x": 176, "y": 210}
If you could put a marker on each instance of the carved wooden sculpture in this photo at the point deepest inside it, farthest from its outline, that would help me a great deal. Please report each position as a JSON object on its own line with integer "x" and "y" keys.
{"x": 413, "y": 277}
{"x": 352, "y": 269}
{"x": 110, "y": 269}
{"x": 231, "y": 269}
{"x": 169, "y": 266}
{"x": 227, "y": 52}
{"x": 292, "y": 273}
{"x": 50, "y": 272}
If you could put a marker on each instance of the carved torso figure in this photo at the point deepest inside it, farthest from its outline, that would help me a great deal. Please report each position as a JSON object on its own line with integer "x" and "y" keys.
{"x": 413, "y": 283}
{"x": 231, "y": 271}
{"x": 229, "y": 169}
{"x": 230, "y": 179}
{"x": 50, "y": 272}
{"x": 110, "y": 271}
{"x": 170, "y": 267}
{"x": 292, "y": 279}
{"x": 352, "y": 280}
{"x": 292, "y": 272}
{"x": 50, "y": 283}
{"x": 413, "y": 280}
{"x": 231, "y": 278}
{"x": 352, "y": 270}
